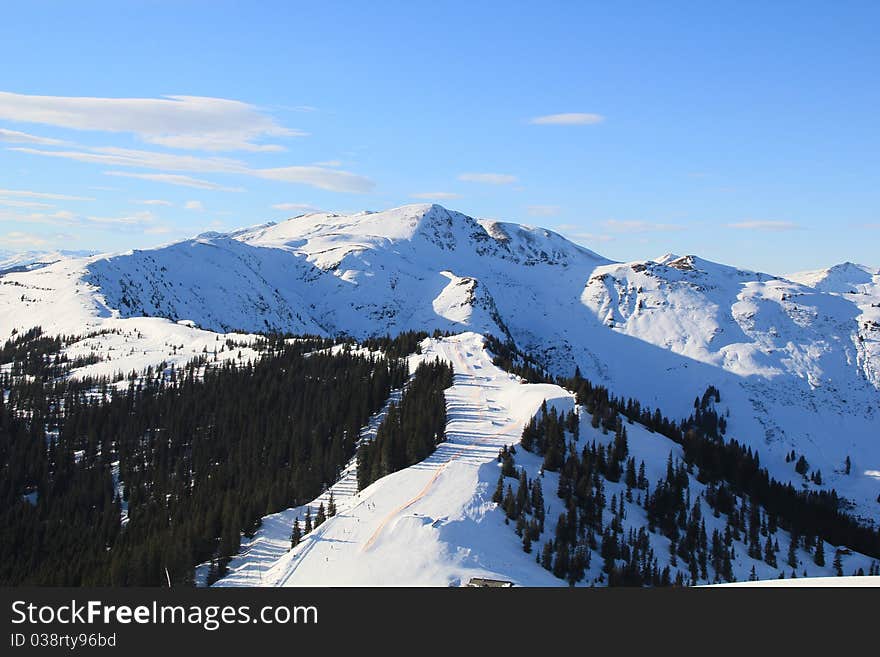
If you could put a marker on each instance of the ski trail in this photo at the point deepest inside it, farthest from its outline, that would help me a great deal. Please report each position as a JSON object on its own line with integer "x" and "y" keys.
{"x": 432, "y": 523}
{"x": 272, "y": 539}
{"x": 466, "y": 373}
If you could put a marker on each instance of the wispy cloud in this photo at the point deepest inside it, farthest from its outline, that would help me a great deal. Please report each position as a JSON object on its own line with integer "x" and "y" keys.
{"x": 543, "y": 210}
{"x": 335, "y": 180}
{"x": 159, "y": 230}
{"x": 26, "y": 193}
{"x": 616, "y": 226}
{"x": 154, "y": 201}
{"x": 175, "y": 179}
{"x": 21, "y": 240}
{"x": 56, "y": 218}
{"x": 18, "y": 203}
{"x": 15, "y": 137}
{"x": 190, "y": 122}
{"x": 135, "y": 219}
{"x": 130, "y": 221}
{"x": 295, "y": 207}
{"x": 127, "y": 157}
{"x": 488, "y": 178}
{"x": 196, "y": 206}
{"x": 773, "y": 226}
{"x": 436, "y": 196}
{"x": 569, "y": 118}
{"x": 332, "y": 180}
{"x": 578, "y": 234}
{"x": 589, "y": 238}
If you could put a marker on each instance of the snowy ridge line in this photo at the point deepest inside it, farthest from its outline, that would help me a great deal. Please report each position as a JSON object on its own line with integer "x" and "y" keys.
{"x": 424, "y": 525}
{"x": 272, "y": 540}
{"x": 480, "y": 404}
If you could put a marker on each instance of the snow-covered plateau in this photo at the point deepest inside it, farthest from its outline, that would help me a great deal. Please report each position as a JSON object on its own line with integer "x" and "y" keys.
{"x": 796, "y": 360}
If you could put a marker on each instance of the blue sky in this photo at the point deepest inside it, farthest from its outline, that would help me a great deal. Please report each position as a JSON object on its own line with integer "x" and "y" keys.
{"x": 745, "y": 132}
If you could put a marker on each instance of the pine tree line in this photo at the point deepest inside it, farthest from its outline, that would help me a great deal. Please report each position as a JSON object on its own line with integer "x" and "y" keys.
{"x": 628, "y": 558}
{"x": 716, "y": 458}
{"x": 201, "y": 455}
{"x": 411, "y": 430}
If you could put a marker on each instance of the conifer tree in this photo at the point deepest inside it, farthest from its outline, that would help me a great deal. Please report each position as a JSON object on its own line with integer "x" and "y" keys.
{"x": 769, "y": 553}
{"x": 792, "y": 551}
{"x": 547, "y": 556}
{"x": 498, "y": 495}
{"x": 819, "y": 556}
{"x": 538, "y": 499}
{"x": 510, "y": 503}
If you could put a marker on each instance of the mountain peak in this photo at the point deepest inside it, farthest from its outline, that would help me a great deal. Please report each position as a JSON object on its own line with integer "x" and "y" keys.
{"x": 843, "y": 278}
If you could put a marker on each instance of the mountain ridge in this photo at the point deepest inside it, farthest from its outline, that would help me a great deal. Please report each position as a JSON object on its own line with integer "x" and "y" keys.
{"x": 800, "y": 365}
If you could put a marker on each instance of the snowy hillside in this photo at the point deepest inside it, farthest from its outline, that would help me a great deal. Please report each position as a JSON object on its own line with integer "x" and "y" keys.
{"x": 435, "y": 524}
{"x": 430, "y": 524}
{"x": 23, "y": 261}
{"x": 797, "y": 360}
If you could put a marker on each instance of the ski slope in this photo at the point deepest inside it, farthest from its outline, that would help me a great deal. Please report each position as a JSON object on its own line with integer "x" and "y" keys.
{"x": 434, "y": 523}
{"x": 272, "y": 540}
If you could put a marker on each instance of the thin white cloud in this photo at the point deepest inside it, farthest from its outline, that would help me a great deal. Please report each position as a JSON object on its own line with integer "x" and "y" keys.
{"x": 127, "y": 157}
{"x": 543, "y": 210}
{"x": 57, "y": 218}
{"x": 588, "y": 238}
{"x": 219, "y": 143}
{"x": 154, "y": 201}
{"x": 334, "y": 180}
{"x": 329, "y": 163}
{"x": 26, "y": 193}
{"x": 175, "y": 179}
{"x": 18, "y": 240}
{"x": 488, "y": 178}
{"x": 438, "y": 196}
{"x": 17, "y": 203}
{"x": 158, "y": 230}
{"x": 16, "y": 137}
{"x": 136, "y": 219}
{"x": 616, "y": 226}
{"x": 132, "y": 221}
{"x": 772, "y": 226}
{"x": 570, "y": 118}
{"x": 196, "y": 206}
{"x": 191, "y": 122}
{"x": 295, "y": 207}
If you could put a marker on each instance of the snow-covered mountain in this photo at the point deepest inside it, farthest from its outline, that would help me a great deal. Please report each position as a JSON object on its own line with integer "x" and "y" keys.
{"x": 24, "y": 260}
{"x": 797, "y": 359}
